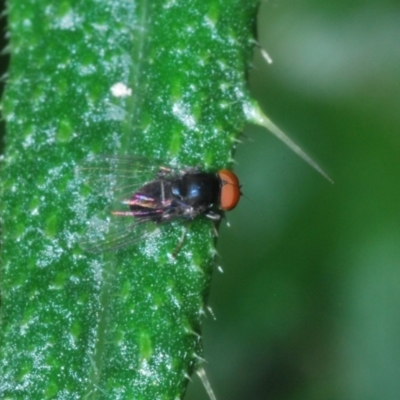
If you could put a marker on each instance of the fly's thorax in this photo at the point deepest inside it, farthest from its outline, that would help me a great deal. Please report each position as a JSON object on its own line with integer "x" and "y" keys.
{"x": 197, "y": 189}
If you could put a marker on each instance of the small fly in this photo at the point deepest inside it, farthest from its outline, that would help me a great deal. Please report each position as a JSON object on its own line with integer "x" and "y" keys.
{"x": 145, "y": 194}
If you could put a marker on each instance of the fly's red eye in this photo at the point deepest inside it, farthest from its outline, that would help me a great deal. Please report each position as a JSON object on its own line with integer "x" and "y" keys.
{"x": 230, "y": 190}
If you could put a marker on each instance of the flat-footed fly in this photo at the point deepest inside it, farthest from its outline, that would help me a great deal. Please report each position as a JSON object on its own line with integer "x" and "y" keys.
{"x": 144, "y": 194}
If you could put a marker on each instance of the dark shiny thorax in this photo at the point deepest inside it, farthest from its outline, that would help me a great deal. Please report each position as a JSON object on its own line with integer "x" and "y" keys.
{"x": 200, "y": 189}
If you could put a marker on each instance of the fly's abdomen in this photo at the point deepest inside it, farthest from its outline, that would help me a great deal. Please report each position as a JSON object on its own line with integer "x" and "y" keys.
{"x": 151, "y": 200}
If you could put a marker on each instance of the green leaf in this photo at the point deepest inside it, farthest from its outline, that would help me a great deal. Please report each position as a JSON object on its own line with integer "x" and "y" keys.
{"x": 163, "y": 79}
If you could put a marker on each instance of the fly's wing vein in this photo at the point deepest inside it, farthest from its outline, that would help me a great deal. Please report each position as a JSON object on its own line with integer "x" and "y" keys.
{"x": 103, "y": 237}
{"x": 115, "y": 179}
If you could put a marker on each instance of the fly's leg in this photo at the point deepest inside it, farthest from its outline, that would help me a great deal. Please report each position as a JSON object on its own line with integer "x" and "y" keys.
{"x": 180, "y": 244}
{"x": 215, "y": 218}
{"x": 163, "y": 172}
{"x": 212, "y": 215}
{"x": 215, "y": 230}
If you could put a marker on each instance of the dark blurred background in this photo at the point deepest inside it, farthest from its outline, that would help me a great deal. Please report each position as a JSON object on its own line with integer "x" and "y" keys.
{"x": 308, "y": 306}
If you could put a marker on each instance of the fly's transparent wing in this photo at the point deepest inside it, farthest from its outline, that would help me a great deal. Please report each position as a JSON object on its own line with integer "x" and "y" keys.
{"x": 115, "y": 233}
{"x": 116, "y": 179}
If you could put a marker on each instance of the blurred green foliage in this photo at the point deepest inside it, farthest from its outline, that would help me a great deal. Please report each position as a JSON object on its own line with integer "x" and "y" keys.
{"x": 307, "y": 306}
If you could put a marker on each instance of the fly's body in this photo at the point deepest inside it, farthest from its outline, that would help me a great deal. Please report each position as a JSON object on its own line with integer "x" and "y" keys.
{"x": 146, "y": 194}
{"x": 186, "y": 196}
